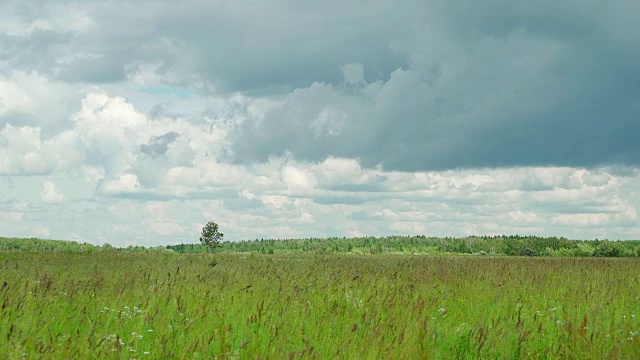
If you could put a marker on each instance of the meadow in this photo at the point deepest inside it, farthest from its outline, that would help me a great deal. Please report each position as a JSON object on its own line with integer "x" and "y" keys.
{"x": 234, "y": 306}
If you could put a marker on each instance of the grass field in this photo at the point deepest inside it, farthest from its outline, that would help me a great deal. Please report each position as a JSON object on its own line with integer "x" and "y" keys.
{"x": 122, "y": 306}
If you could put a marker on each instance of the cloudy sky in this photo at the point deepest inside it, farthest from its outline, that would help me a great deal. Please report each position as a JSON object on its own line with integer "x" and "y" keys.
{"x": 136, "y": 122}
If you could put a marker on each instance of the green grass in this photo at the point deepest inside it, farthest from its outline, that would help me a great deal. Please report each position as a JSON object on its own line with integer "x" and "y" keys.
{"x": 121, "y": 306}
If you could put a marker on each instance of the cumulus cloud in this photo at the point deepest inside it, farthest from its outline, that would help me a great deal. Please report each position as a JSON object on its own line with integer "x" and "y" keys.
{"x": 50, "y": 194}
{"x": 23, "y": 151}
{"x": 438, "y": 86}
{"x": 318, "y": 119}
{"x": 353, "y": 74}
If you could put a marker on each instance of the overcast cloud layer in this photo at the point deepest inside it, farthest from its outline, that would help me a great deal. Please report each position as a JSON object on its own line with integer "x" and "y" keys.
{"x": 136, "y": 122}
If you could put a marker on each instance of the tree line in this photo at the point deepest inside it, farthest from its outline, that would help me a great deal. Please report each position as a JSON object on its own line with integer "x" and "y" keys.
{"x": 514, "y": 245}
{"x": 478, "y": 245}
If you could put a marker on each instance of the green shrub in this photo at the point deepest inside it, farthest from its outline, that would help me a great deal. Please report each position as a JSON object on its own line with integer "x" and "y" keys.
{"x": 608, "y": 249}
{"x": 528, "y": 252}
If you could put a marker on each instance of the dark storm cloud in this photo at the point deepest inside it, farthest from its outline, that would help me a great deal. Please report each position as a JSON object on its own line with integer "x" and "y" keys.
{"x": 275, "y": 46}
{"x": 261, "y": 48}
{"x": 533, "y": 84}
{"x": 447, "y": 84}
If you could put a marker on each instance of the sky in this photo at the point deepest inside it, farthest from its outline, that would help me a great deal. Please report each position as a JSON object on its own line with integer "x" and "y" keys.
{"x": 136, "y": 122}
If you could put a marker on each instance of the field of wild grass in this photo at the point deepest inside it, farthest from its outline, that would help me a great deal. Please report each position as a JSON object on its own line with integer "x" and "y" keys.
{"x": 157, "y": 306}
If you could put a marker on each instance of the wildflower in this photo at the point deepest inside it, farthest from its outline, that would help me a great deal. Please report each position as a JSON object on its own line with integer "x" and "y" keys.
{"x": 442, "y": 310}
{"x": 147, "y": 352}
{"x": 150, "y": 330}
{"x": 132, "y": 350}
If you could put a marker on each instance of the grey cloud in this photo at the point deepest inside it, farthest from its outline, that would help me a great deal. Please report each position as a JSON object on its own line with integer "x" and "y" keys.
{"x": 277, "y": 47}
{"x": 239, "y": 203}
{"x": 36, "y": 50}
{"x": 143, "y": 197}
{"x": 94, "y": 70}
{"x": 596, "y": 179}
{"x": 538, "y": 184}
{"x": 260, "y": 48}
{"x": 509, "y": 91}
{"x": 623, "y": 171}
{"x": 158, "y": 145}
{"x": 444, "y": 86}
{"x": 368, "y": 187}
{"x": 157, "y": 111}
{"x": 363, "y": 216}
{"x": 344, "y": 199}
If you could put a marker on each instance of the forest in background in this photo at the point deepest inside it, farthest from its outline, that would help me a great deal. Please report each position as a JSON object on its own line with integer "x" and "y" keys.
{"x": 514, "y": 245}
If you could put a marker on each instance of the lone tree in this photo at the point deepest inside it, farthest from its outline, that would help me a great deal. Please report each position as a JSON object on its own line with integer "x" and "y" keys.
{"x": 211, "y": 237}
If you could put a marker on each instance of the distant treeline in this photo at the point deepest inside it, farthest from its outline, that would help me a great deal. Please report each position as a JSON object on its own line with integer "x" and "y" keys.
{"x": 34, "y": 244}
{"x": 478, "y": 245}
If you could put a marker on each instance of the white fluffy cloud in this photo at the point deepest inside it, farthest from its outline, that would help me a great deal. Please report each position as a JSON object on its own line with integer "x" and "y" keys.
{"x": 420, "y": 117}
{"x": 158, "y": 180}
{"x": 24, "y": 152}
{"x": 50, "y": 194}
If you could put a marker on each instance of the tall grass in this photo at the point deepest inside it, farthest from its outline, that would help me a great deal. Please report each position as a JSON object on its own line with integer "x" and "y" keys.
{"x": 117, "y": 305}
